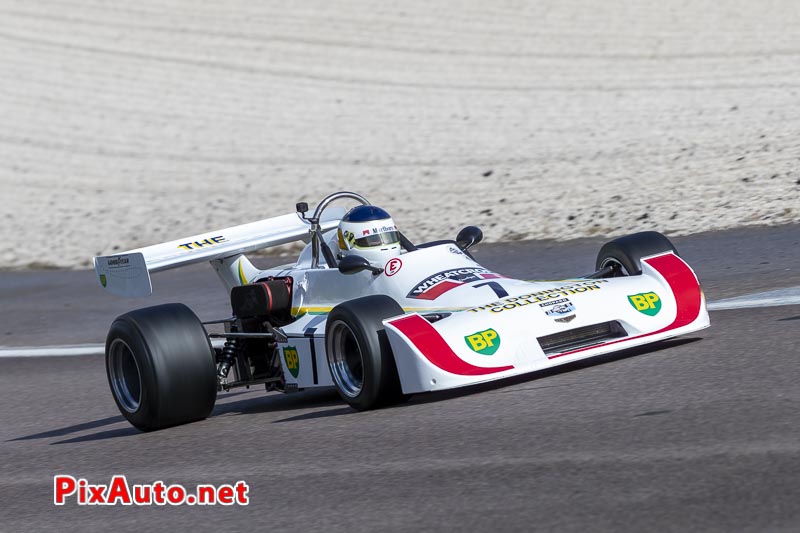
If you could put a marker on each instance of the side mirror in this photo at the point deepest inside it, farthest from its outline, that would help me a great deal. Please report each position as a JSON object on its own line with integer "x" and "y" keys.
{"x": 353, "y": 264}
{"x": 469, "y": 236}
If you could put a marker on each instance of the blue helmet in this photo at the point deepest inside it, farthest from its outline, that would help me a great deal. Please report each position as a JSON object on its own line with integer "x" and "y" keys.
{"x": 370, "y": 232}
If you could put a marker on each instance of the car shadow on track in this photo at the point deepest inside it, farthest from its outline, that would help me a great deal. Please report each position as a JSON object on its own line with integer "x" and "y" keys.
{"x": 326, "y": 402}
{"x": 507, "y": 382}
{"x": 68, "y": 430}
{"x": 548, "y": 372}
{"x": 77, "y": 428}
{"x": 102, "y": 435}
{"x": 310, "y": 399}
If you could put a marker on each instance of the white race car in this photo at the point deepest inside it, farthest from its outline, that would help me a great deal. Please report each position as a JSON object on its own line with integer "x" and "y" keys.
{"x": 429, "y": 319}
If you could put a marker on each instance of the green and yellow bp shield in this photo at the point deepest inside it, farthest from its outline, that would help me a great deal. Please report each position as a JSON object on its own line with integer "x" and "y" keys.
{"x": 647, "y": 302}
{"x": 292, "y": 360}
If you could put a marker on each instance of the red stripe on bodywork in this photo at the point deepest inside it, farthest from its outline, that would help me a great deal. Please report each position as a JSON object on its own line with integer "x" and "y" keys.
{"x": 427, "y": 340}
{"x": 685, "y": 288}
{"x": 437, "y": 290}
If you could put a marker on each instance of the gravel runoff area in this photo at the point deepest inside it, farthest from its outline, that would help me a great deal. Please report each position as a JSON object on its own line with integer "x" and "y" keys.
{"x": 129, "y": 123}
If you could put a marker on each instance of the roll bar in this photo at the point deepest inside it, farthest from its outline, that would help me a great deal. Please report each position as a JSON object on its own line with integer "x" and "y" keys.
{"x": 316, "y": 234}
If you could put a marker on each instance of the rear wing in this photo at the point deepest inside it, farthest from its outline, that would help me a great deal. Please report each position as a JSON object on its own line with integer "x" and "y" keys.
{"x": 128, "y": 273}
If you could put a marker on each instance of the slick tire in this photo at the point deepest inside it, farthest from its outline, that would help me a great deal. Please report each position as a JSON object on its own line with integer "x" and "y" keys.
{"x": 627, "y": 252}
{"x": 161, "y": 367}
{"x": 359, "y": 355}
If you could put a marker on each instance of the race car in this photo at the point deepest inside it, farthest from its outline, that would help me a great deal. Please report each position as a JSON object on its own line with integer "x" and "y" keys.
{"x": 365, "y": 310}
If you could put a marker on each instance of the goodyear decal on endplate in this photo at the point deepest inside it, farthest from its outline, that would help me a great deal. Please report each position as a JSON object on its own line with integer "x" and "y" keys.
{"x": 484, "y": 342}
{"x": 292, "y": 360}
{"x": 647, "y": 302}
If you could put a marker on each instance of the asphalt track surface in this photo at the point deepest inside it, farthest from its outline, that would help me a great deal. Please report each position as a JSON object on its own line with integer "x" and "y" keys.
{"x": 698, "y": 433}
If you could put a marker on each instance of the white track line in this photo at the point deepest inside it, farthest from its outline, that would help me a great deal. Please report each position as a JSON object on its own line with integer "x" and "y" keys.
{"x": 53, "y": 351}
{"x": 788, "y": 296}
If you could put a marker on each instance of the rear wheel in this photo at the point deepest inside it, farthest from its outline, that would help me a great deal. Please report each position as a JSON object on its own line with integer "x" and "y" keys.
{"x": 359, "y": 355}
{"x": 625, "y": 253}
{"x": 161, "y": 367}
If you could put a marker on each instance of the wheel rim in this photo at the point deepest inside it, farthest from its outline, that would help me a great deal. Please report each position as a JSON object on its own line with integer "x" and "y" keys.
{"x": 125, "y": 377}
{"x": 346, "y": 360}
{"x": 610, "y": 261}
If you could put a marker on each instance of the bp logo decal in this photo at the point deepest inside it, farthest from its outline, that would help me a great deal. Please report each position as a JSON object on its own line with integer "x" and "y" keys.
{"x": 484, "y": 342}
{"x": 292, "y": 360}
{"x": 103, "y": 280}
{"x": 647, "y": 302}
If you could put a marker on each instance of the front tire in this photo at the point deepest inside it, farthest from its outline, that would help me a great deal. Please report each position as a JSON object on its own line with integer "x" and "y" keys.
{"x": 161, "y": 367}
{"x": 625, "y": 253}
{"x": 360, "y": 358}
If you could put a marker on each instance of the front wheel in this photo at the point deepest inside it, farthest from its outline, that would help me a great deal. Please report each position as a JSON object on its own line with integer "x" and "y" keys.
{"x": 359, "y": 355}
{"x": 161, "y": 367}
{"x": 625, "y": 254}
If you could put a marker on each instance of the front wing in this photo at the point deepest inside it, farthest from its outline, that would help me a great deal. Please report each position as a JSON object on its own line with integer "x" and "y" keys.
{"x": 474, "y": 347}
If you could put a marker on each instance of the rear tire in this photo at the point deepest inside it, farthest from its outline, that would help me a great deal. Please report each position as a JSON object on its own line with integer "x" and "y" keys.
{"x": 359, "y": 355}
{"x": 627, "y": 252}
{"x": 161, "y": 367}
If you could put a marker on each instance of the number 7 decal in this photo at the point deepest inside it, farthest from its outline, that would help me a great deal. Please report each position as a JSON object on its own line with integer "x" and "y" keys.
{"x": 496, "y": 287}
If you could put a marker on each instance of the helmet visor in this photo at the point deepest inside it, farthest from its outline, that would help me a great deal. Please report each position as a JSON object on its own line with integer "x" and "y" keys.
{"x": 377, "y": 239}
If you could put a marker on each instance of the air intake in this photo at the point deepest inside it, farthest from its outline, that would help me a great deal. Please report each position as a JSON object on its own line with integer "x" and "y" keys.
{"x": 574, "y": 339}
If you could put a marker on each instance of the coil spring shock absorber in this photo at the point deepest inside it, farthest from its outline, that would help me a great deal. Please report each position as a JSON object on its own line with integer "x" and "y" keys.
{"x": 228, "y": 355}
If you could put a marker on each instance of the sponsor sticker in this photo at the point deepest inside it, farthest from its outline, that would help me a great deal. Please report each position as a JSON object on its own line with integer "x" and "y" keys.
{"x": 393, "y": 266}
{"x": 647, "y": 303}
{"x": 434, "y": 286}
{"x": 118, "y": 261}
{"x": 292, "y": 360}
{"x": 561, "y": 310}
{"x": 196, "y": 245}
{"x": 484, "y": 342}
{"x": 454, "y": 250}
{"x": 350, "y": 238}
{"x": 548, "y": 295}
{"x": 103, "y": 280}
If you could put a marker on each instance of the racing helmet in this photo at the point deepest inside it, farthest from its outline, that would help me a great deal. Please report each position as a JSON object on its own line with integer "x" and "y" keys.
{"x": 370, "y": 232}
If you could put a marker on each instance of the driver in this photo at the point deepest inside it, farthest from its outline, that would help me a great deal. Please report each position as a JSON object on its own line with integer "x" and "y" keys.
{"x": 370, "y": 232}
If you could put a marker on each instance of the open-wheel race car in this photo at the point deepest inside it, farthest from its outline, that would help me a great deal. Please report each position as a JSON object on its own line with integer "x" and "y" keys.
{"x": 375, "y": 316}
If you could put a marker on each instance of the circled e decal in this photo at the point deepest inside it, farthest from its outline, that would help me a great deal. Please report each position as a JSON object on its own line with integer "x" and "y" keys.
{"x": 393, "y": 266}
